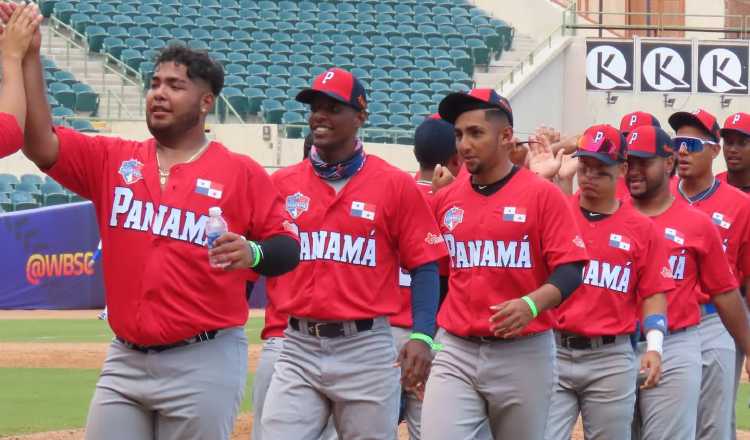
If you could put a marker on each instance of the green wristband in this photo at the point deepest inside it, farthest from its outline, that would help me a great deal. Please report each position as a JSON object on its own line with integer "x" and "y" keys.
{"x": 427, "y": 340}
{"x": 532, "y": 306}
{"x": 255, "y": 248}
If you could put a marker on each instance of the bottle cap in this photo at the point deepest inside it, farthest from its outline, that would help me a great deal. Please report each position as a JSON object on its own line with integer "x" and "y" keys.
{"x": 214, "y": 211}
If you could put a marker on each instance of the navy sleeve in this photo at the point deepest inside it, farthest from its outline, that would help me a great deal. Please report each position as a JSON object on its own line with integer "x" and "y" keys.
{"x": 425, "y": 296}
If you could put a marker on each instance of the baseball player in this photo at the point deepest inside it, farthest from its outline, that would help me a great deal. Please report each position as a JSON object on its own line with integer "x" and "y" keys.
{"x": 628, "y": 267}
{"x": 736, "y": 138}
{"x": 702, "y": 276}
{"x": 697, "y": 142}
{"x": 359, "y": 219}
{"x": 16, "y": 36}
{"x": 178, "y": 364}
{"x": 273, "y": 340}
{"x": 515, "y": 252}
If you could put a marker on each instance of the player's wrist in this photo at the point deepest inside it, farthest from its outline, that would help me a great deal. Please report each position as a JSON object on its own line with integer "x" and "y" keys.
{"x": 256, "y": 253}
{"x": 427, "y": 339}
{"x": 531, "y": 304}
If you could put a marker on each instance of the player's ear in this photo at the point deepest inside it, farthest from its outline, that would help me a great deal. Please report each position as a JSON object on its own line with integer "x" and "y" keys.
{"x": 207, "y": 103}
{"x": 622, "y": 169}
{"x": 715, "y": 150}
{"x": 669, "y": 165}
{"x": 361, "y": 118}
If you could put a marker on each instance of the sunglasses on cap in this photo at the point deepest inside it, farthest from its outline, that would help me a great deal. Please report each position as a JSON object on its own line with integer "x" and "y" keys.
{"x": 592, "y": 143}
{"x": 691, "y": 144}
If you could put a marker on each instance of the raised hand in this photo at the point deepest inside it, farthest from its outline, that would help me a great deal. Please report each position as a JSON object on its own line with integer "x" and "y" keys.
{"x": 16, "y": 37}
{"x": 6, "y": 13}
{"x": 542, "y": 160}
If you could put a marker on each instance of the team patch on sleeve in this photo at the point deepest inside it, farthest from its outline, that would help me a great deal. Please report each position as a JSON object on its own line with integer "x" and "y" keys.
{"x": 619, "y": 242}
{"x": 578, "y": 241}
{"x": 433, "y": 239}
{"x": 208, "y": 188}
{"x": 514, "y": 214}
{"x": 363, "y": 210}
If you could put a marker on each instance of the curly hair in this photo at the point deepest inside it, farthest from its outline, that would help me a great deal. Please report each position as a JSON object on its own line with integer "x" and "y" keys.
{"x": 199, "y": 65}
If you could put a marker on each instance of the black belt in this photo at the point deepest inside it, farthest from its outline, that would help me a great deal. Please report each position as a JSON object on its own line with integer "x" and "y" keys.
{"x": 578, "y": 342}
{"x": 200, "y": 337}
{"x": 329, "y": 329}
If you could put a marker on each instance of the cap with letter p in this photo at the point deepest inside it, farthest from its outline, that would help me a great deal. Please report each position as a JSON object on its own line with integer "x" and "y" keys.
{"x": 453, "y": 105}
{"x": 700, "y": 119}
{"x": 632, "y": 120}
{"x": 647, "y": 142}
{"x": 339, "y": 85}
{"x": 739, "y": 122}
{"x": 604, "y": 143}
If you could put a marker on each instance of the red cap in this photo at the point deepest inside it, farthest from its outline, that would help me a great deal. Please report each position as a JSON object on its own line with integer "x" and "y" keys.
{"x": 603, "y": 142}
{"x": 636, "y": 119}
{"x": 647, "y": 141}
{"x": 739, "y": 122}
{"x": 459, "y": 102}
{"x": 339, "y": 85}
{"x": 700, "y": 119}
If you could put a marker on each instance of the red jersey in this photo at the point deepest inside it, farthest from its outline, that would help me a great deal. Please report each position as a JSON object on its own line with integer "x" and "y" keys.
{"x": 628, "y": 262}
{"x": 160, "y": 288}
{"x": 695, "y": 256}
{"x": 729, "y": 210}
{"x": 352, "y": 241}
{"x": 403, "y": 318}
{"x": 11, "y": 136}
{"x": 502, "y": 247}
{"x": 723, "y": 178}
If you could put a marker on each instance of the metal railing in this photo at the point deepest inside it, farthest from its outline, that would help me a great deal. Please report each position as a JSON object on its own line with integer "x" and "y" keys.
{"x": 130, "y": 77}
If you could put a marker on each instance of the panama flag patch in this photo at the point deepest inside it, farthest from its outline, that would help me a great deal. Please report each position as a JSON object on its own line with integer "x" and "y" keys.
{"x": 673, "y": 235}
{"x": 363, "y": 210}
{"x": 514, "y": 214}
{"x": 720, "y": 220}
{"x": 208, "y": 188}
{"x": 619, "y": 242}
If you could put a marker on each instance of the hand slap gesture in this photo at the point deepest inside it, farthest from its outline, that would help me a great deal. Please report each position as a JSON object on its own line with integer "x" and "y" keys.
{"x": 19, "y": 30}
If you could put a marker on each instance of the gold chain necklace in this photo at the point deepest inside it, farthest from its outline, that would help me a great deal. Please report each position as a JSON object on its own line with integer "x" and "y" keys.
{"x": 164, "y": 174}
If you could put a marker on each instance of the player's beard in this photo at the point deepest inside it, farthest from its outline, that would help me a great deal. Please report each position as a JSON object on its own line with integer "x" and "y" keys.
{"x": 652, "y": 189}
{"x": 178, "y": 128}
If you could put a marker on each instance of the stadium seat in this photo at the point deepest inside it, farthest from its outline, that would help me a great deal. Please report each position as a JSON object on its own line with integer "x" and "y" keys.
{"x": 87, "y": 100}
{"x": 32, "y": 179}
{"x": 241, "y": 46}
{"x": 5, "y": 203}
{"x": 5, "y": 188}
{"x": 277, "y": 93}
{"x": 398, "y": 109}
{"x": 48, "y": 186}
{"x": 479, "y": 51}
{"x": 62, "y": 112}
{"x": 55, "y": 198}
{"x": 65, "y": 97}
{"x": 236, "y": 99}
{"x": 132, "y": 58}
{"x": 63, "y": 76}
{"x": 9, "y": 179}
{"x": 27, "y": 188}
{"x": 272, "y": 111}
{"x": 113, "y": 46}
{"x": 297, "y": 122}
{"x": 80, "y": 21}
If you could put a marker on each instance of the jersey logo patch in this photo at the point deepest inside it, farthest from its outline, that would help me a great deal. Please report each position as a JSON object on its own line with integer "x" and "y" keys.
{"x": 433, "y": 239}
{"x": 619, "y": 242}
{"x": 363, "y": 210}
{"x": 514, "y": 214}
{"x": 208, "y": 188}
{"x": 131, "y": 171}
{"x": 453, "y": 217}
{"x": 673, "y": 235}
{"x": 296, "y": 204}
{"x": 721, "y": 220}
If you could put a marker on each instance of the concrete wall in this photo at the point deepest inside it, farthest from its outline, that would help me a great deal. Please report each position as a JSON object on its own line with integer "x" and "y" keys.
{"x": 704, "y": 8}
{"x": 541, "y": 101}
{"x": 536, "y": 18}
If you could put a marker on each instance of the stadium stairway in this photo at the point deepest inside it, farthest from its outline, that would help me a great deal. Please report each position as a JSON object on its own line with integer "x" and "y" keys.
{"x": 498, "y": 69}
{"x": 89, "y": 68}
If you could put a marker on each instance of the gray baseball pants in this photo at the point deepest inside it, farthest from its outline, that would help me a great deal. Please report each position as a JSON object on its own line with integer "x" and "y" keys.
{"x": 185, "y": 393}
{"x": 351, "y": 377}
{"x": 599, "y": 384}
{"x": 508, "y": 383}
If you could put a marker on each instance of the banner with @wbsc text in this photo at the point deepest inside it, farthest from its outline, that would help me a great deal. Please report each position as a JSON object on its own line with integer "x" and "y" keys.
{"x": 44, "y": 259}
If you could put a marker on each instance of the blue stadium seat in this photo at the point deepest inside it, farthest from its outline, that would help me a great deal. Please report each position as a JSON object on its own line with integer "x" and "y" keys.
{"x": 83, "y": 125}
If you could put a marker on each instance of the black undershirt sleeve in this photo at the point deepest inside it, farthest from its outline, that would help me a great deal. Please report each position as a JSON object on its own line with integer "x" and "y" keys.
{"x": 567, "y": 278}
{"x": 280, "y": 255}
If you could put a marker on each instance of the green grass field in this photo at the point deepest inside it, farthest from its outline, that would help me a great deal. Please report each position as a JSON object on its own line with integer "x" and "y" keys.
{"x": 50, "y": 399}
{"x": 80, "y": 330}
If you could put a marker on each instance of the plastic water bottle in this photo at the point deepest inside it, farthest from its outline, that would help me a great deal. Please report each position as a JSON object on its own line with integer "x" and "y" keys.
{"x": 215, "y": 226}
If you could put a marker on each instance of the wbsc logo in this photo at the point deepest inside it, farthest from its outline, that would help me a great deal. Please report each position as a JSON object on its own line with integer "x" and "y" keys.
{"x": 41, "y": 266}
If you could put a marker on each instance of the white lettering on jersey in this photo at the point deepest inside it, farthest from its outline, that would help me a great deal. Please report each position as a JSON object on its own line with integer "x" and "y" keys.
{"x": 488, "y": 253}
{"x": 164, "y": 220}
{"x": 334, "y": 246}
{"x": 677, "y": 263}
{"x": 602, "y": 274}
